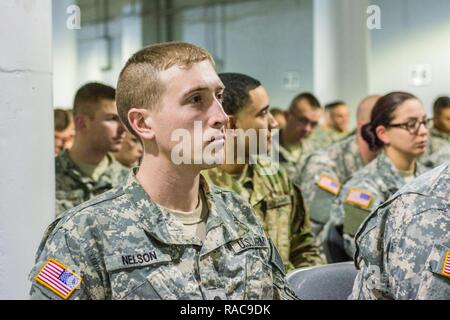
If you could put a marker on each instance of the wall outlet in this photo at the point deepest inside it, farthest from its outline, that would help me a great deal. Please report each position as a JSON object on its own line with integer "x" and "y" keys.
{"x": 420, "y": 75}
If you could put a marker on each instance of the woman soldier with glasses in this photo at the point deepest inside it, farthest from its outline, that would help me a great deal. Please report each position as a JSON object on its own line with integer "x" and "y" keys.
{"x": 399, "y": 129}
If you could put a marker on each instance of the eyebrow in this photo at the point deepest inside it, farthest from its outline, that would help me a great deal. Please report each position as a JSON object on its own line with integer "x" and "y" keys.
{"x": 201, "y": 88}
{"x": 263, "y": 109}
{"x": 416, "y": 118}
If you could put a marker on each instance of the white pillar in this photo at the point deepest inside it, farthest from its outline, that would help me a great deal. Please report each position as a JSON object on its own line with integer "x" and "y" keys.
{"x": 26, "y": 139}
{"x": 341, "y": 50}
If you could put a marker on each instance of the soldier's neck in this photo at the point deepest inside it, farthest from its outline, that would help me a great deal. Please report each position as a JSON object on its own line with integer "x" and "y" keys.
{"x": 401, "y": 161}
{"x": 173, "y": 187}
{"x": 84, "y": 153}
{"x": 366, "y": 154}
{"x": 288, "y": 140}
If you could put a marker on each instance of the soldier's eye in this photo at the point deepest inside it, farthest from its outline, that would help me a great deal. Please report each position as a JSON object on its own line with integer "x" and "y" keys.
{"x": 196, "y": 99}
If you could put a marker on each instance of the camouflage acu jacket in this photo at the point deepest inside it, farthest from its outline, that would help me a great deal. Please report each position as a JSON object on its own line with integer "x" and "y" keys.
{"x": 290, "y": 162}
{"x": 324, "y": 173}
{"x": 367, "y": 189}
{"x": 324, "y": 137}
{"x": 279, "y": 206}
{"x": 120, "y": 245}
{"x": 403, "y": 248}
{"x": 439, "y": 134}
{"x": 73, "y": 187}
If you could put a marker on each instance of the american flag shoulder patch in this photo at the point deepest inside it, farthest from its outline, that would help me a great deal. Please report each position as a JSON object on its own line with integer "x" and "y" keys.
{"x": 446, "y": 265}
{"x": 359, "y": 197}
{"x": 329, "y": 184}
{"x": 58, "y": 278}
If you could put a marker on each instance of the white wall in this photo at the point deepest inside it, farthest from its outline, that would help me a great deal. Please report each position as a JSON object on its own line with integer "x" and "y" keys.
{"x": 341, "y": 48}
{"x": 265, "y": 39}
{"x": 413, "y": 32}
{"x": 26, "y": 144}
{"x": 126, "y": 38}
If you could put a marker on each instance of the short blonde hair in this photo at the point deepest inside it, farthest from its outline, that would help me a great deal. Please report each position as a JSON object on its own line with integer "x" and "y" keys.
{"x": 139, "y": 85}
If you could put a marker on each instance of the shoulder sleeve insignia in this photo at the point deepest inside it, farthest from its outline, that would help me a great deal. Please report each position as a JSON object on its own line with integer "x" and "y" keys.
{"x": 359, "y": 197}
{"x": 58, "y": 278}
{"x": 446, "y": 265}
{"x": 329, "y": 184}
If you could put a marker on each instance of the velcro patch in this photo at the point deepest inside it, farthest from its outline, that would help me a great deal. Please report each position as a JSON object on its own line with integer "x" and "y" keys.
{"x": 359, "y": 197}
{"x": 249, "y": 242}
{"x": 446, "y": 265}
{"x": 58, "y": 278}
{"x": 329, "y": 184}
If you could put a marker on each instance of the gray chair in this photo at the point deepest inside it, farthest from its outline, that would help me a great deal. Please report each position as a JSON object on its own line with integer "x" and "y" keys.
{"x": 328, "y": 282}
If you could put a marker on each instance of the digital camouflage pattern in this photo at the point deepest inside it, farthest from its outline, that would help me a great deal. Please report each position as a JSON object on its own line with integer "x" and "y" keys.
{"x": 339, "y": 161}
{"x": 402, "y": 246}
{"x": 124, "y": 247}
{"x": 278, "y": 205}
{"x": 293, "y": 163}
{"x": 437, "y": 158}
{"x": 380, "y": 179}
{"x": 439, "y": 134}
{"x": 434, "y": 153}
{"x": 323, "y": 137}
{"x": 73, "y": 187}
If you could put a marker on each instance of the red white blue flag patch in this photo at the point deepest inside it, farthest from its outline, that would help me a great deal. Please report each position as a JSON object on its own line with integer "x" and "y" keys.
{"x": 446, "y": 265}
{"x": 359, "y": 197}
{"x": 58, "y": 278}
{"x": 329, "y": 184}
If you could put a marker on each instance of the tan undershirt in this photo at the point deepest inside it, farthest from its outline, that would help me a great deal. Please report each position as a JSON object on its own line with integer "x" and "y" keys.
{"x": 407, "y": 175}
{"x": 194, "y": 222}
{"x": 92, "y": 170}
{"x": 295, "y": 150}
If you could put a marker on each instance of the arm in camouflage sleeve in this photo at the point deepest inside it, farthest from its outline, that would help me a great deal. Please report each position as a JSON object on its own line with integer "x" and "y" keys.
{"x": 281, "y": 289}
{"x": 416, "y": 258}
{"x": 72, "y": 251}
{"x": 304, "y": 252}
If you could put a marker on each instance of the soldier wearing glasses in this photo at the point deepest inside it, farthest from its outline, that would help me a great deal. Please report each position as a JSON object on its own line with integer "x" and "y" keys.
{"x": 302, "y": 118}
{"x": 398, "y": 128}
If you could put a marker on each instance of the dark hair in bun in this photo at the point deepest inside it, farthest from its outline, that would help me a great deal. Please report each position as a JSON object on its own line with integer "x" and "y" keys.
{"x": 382, "y": 115}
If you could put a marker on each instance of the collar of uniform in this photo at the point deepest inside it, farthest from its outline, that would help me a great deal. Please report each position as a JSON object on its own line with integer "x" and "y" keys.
{"x": 72, "y": 169}
{"x": 156, "y": 222}
{"x": 69, "y": 166}
{"x": 436, "y": 133}
{"x": 259, "y": 175}
{"x": 392, "y": 181}
{"x": 166, "y": 229}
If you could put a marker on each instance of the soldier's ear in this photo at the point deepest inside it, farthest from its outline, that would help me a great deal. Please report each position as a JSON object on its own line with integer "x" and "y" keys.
{"x": 382, "y": 134}
{"x": 79, "y": 122}
{"x": 141, "y": 122}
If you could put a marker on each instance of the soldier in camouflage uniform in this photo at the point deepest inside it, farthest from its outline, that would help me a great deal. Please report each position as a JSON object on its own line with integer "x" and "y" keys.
{"x": 322, "y": 137}
{"x": 165, "y": 234}
{"x": 302, "y": 118}
{"x": 88, "y": 169}
{"x": 402, "y": 143}
{"x": 336, "y": 127}
{"x": 277, "y": 202}
{"x": 403, "y": 248}
{"x": 325, "y": 171}
{"x": 74, "y": 187}
{"x": 441, "y": 117}
{"x": 439, "y": 133}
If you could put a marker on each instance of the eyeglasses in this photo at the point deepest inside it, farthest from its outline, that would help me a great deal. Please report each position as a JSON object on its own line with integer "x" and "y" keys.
{"x": 304, "y": 121}
{"x": 413, "y": 126}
